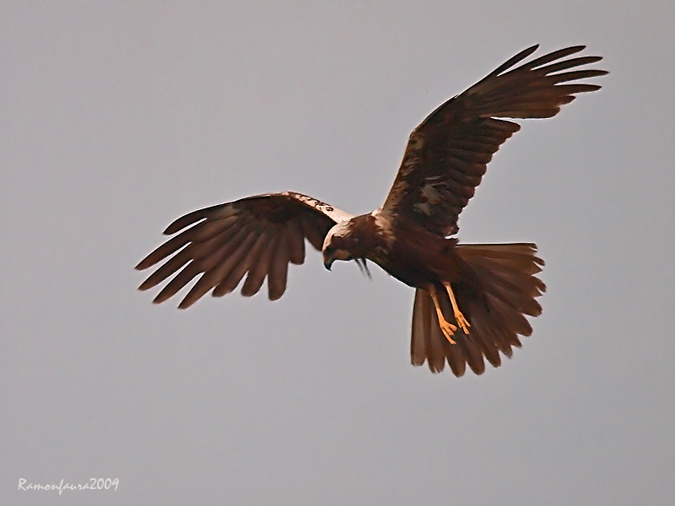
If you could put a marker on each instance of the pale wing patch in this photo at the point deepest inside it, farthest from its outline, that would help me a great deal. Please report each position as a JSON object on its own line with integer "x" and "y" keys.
{"x": 432, "y": 197}
{"x": 422, "y": 208}
{"x": 430, "y": 192}
{"x": 332, "y": 212}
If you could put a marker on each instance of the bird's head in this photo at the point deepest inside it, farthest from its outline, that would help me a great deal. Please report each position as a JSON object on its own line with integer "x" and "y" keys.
{"x": 343, "y": 243}
{"x": 338, "y": 243}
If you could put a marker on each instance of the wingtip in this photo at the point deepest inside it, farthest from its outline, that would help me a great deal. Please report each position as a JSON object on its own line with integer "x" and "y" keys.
{"x": 161, "y": 297}
{"x": 147, "y": 284}
{"x": 527, "y": 51}
{"x": 142, "y": 265}
{"x": 171, "y": 229}
{"x": 184, "y": 304}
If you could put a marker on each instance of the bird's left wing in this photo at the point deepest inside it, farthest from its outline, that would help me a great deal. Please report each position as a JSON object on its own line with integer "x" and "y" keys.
{"x": 448, "y": 152}
{"x": 258, "y": 235}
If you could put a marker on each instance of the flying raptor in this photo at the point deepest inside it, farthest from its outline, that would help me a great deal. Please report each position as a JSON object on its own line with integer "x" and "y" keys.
{"x": 471, "y": 300}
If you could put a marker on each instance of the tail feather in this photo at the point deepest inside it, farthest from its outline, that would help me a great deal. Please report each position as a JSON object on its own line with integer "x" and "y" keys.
{"x": 421, "y": 328}
{"x": 497, "y": 294}
{"x": 518, "y": 293}
{"x": 457, "y": 360}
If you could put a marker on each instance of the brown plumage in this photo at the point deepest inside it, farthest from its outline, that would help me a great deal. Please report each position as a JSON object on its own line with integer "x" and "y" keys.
{"x": 471, "y": 301}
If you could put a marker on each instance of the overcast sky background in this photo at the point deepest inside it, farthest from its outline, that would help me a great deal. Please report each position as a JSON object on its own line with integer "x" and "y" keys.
{"x": 120, "y": 116}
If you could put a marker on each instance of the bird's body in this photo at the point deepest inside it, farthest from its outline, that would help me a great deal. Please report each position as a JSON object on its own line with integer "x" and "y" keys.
{"x": 410, "y": 253}
{"x": 470, "y": 300}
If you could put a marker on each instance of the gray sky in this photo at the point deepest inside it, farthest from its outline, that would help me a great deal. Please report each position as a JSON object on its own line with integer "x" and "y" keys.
{"x": 121, "y": 116}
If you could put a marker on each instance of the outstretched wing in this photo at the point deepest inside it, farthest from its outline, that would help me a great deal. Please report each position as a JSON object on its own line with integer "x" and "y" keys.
{"x": 448, "y": 152}
{"x": 258, "y": 235}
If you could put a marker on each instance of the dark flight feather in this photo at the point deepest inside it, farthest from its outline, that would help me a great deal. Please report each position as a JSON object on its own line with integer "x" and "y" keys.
{"x": 257, "y": 235}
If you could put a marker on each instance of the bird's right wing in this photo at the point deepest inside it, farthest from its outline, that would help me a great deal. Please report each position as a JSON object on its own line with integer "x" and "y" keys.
{"x": 448, "y": 152}
{"x": 258, "y": 235}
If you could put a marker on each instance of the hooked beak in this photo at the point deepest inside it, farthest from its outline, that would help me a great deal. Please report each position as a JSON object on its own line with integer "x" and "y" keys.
{"x": 328, "y": 261}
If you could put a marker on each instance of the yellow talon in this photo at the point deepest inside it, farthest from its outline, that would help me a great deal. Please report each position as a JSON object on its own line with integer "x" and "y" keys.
{"x": 459, "y": 317}
{"x": 462, "y": 322}
{"x": 447, "y": 328}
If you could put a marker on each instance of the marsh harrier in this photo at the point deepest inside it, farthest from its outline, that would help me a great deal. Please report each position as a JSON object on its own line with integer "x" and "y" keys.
{"x": 471, "y": 300}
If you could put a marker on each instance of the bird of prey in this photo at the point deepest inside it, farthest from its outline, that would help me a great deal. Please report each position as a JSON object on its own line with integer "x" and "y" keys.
{"x": 471, "y": 300}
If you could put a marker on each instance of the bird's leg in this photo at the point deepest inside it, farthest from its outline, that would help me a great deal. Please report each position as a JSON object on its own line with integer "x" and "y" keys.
{"x": 459, "y": 317}
{"x": 447, "y": 328}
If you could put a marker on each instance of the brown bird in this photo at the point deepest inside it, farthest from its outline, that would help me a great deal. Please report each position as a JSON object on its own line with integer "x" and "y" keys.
{"x": 470, "y": 299}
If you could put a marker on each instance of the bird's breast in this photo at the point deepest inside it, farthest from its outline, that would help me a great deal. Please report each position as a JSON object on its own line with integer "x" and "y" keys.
{"x": 418, "y": 259}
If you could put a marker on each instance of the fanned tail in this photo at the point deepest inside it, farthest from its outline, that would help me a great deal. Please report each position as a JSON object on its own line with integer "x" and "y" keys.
{"x": 498, "y": 291}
